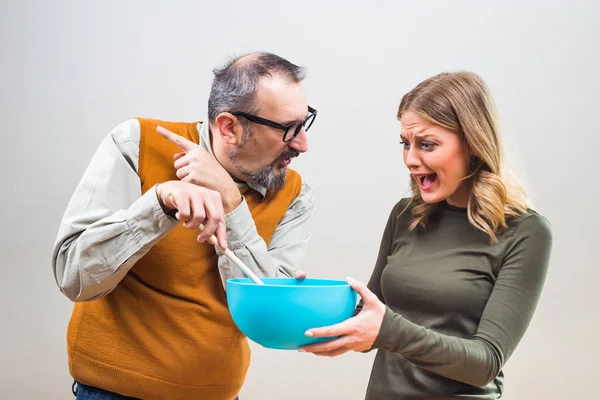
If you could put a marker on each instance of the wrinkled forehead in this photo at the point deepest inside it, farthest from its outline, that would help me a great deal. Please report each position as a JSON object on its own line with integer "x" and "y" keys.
{"x": 280, "y": 99}
{"x": 412, "y": 124}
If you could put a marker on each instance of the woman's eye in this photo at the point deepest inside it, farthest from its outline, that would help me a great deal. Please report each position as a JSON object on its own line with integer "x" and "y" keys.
{"x": 427, "y": 145}
{"x": 405, "y": 144}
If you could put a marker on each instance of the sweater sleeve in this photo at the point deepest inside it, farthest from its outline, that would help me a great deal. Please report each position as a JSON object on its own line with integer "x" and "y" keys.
{"x": 479, "y": 359}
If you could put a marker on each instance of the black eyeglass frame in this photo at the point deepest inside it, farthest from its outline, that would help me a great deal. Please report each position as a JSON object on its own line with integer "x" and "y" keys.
{"x": 310, "y": 119}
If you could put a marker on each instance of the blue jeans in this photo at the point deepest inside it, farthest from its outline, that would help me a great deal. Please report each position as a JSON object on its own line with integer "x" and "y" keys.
{"x": 84, "y": 392}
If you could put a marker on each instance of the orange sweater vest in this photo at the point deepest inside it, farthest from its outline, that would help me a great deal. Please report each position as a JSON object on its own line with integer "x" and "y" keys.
{"x": 165, "y": 331}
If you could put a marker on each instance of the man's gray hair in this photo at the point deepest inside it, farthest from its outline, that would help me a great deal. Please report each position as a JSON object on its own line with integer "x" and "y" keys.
{"x": 235, "y": 84}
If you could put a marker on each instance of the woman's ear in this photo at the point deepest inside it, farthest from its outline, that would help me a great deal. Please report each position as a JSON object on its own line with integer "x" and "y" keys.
{"x": 471, "y": 156}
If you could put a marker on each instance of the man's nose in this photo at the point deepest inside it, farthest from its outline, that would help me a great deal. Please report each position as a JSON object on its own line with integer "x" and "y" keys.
{"x": 300, "y": 142}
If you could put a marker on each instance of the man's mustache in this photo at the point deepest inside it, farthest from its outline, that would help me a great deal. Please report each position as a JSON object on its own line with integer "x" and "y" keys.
{"x": 290, "y": 153}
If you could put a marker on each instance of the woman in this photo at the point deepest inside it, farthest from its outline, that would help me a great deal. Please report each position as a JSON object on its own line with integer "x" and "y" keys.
{"x": 461, "y": 264}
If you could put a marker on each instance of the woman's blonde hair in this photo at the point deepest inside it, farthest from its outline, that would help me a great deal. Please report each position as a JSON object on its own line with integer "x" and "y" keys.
{"x": 462, "y": 102}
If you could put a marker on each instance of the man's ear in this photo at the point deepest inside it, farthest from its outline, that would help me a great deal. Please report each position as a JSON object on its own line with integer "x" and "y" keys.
{"x": 228, "y": 127}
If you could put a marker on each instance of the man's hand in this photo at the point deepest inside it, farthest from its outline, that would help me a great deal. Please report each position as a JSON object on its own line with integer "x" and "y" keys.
{"x": 197, "y": 166}
{"x": 300, "y": 274}
{"x": 195, "y": 205}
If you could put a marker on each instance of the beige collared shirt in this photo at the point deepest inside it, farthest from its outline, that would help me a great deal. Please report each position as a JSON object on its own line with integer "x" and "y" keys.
{"x": 109, "y": 225}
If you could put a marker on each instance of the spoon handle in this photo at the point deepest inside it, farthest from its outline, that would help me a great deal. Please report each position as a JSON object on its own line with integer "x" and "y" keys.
{"x": 213, "y": 240}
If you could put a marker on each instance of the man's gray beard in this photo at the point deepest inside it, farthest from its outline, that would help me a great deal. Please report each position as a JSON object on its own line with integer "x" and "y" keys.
{"x": 265, "y": 178}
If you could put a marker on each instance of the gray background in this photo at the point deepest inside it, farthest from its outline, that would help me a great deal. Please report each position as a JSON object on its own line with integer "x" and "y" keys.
{"x": 71, "y": 70}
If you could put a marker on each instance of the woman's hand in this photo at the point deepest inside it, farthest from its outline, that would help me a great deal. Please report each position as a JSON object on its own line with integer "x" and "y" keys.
{"x": 357, "y": 333}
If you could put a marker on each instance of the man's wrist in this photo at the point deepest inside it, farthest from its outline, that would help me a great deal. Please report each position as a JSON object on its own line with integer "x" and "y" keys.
{"x": 232, "y": 202}
{"x": 171, "y": 212}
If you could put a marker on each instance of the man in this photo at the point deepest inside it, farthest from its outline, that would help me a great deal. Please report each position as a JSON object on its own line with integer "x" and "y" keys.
{"x": 151, "y": 318}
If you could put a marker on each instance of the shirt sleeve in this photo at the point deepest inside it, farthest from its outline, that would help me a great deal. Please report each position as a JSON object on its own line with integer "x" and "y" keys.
{"x": 479, "y": 359}
{"x": 385, "y": 250}
{"x": 287, "y": 249}
{"x": 108, "y": 225}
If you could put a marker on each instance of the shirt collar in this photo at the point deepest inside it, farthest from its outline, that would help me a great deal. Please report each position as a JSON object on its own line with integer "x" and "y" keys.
{"x": 206, "y": 143}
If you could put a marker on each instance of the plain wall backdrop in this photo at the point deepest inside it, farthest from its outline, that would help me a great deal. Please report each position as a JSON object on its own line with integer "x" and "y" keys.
{"x": 72, "y": 70}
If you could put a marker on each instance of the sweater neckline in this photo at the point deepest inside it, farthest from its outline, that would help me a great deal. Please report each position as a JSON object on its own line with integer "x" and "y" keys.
{"x": 455, "y": 209}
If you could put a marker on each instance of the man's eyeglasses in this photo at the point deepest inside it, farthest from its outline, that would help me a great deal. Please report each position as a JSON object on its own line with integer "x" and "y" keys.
{"x": 290, "y": 131}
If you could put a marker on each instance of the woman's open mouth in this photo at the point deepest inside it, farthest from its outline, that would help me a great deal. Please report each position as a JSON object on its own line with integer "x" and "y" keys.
{"x": 426, "y": 181}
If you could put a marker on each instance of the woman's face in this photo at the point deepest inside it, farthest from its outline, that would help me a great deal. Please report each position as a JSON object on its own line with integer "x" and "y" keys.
{"x": 437, "y": 159}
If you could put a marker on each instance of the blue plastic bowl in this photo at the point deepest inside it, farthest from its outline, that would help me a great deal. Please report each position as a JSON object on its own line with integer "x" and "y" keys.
{"x": 276, "y": 314}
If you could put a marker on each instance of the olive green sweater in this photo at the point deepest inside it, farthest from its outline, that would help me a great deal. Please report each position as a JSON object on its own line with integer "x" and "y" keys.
{"x": 457, "y": 306}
